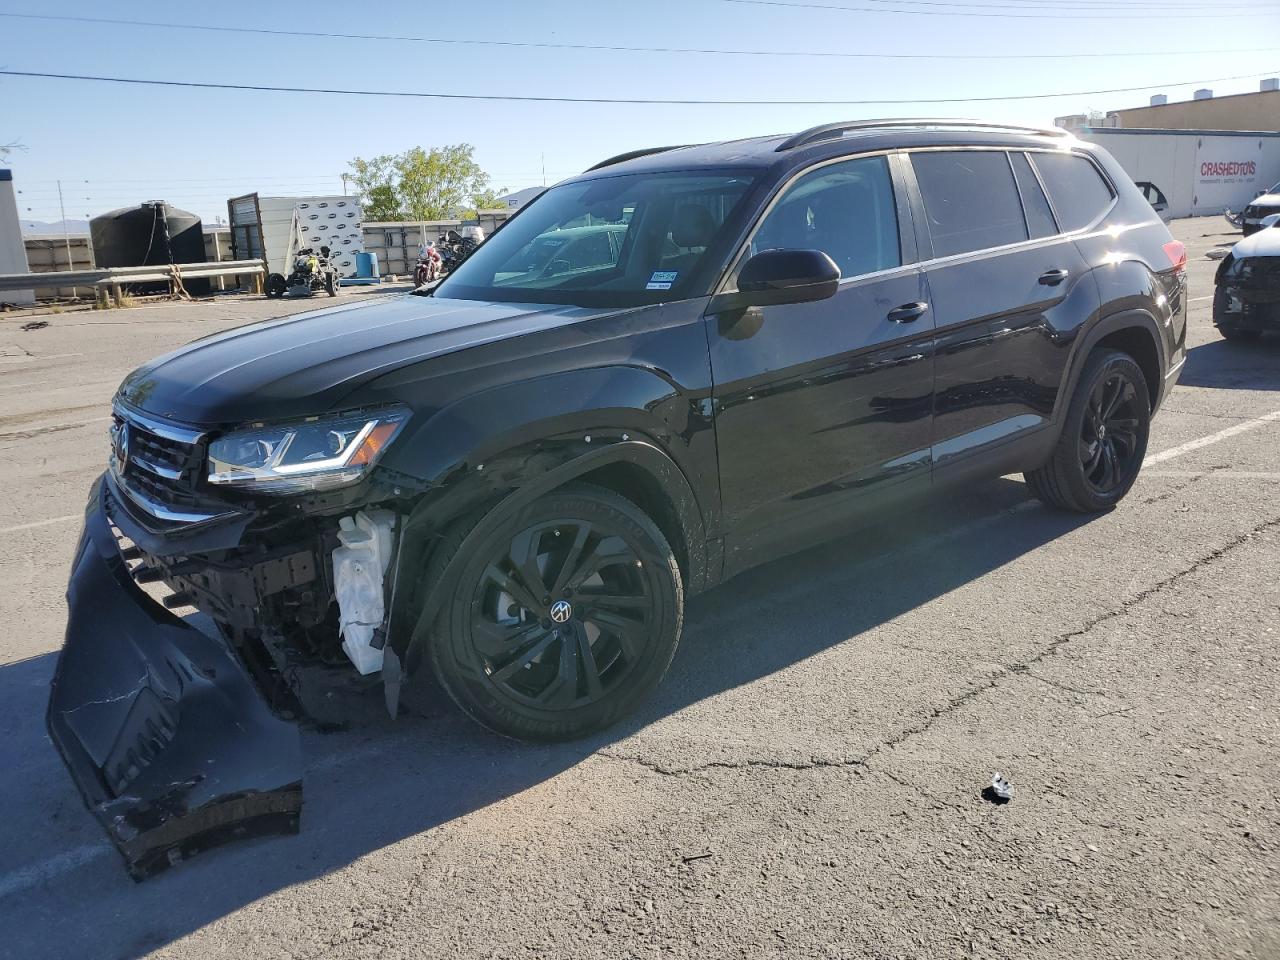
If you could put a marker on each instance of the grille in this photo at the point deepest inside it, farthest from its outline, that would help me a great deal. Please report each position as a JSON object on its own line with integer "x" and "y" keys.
{"x": 159, "y": 467}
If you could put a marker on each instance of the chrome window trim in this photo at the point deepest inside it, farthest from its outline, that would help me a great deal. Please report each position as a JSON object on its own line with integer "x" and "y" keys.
{"x": 161, "y": 428}
{"x": 727, "y": 284}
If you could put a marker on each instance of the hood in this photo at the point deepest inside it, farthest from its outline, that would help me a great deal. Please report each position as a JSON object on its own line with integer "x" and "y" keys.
{"x": 306, "y": 364}
{"x": 1264, "y": 243}
{"x": 1266, "y": 200}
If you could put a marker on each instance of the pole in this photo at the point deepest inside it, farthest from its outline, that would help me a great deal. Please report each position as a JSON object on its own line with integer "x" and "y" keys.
{"x": 544, "y": 169}
{"x": 66, "y": 238}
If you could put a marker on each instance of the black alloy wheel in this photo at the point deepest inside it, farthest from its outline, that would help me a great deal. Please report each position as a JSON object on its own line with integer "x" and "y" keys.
{"x": 1109, "y": 433}
{"x": 1104, "y": 438}
{"x": 567, "y": 615}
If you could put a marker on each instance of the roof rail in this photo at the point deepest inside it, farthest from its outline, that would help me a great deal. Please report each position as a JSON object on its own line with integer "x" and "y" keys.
{"x": 832, "y": 131}
{"x": 632, "y": 155}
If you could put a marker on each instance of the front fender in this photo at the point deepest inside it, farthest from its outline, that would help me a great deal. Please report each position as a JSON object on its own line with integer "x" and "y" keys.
{"x": 481, "y": 425}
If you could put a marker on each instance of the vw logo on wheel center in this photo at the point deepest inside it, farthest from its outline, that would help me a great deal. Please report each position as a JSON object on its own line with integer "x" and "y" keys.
{"x": 561, "y": 611}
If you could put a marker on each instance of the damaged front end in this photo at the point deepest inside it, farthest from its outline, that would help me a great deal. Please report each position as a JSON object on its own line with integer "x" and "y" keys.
{"x": 1247, "y": 296}
{"x": 178, "y": 738}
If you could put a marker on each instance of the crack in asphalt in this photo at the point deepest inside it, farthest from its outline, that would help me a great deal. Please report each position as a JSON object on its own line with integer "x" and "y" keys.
{"x": 991, "y": 682}
{"x": 1180, "y": 488}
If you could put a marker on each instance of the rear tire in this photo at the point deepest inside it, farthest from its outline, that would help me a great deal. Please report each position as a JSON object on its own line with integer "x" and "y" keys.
{"x": 1103, "y": 441}
{"x": 564, "y": 618}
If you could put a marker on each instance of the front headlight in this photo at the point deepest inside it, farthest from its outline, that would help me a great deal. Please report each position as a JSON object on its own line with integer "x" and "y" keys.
{"x": 315, "y": 454}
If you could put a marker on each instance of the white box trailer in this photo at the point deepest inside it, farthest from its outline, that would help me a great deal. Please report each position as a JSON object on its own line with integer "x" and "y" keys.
{"x": 274, "y": 229}
{"x": 1200, "y": 172}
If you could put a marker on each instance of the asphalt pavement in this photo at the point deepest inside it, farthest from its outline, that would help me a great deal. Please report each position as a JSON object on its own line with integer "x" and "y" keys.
{"x": 806, "y": 783}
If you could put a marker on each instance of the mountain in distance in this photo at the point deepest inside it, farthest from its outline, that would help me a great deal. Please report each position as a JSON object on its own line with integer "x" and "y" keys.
{"x": 43, "y": 226}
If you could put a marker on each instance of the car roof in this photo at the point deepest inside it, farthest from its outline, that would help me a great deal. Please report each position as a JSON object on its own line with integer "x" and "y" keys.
{"x": 783, "y": 151}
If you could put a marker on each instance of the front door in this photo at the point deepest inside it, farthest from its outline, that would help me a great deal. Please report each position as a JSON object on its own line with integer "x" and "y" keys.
{"x": 820, "y": 407}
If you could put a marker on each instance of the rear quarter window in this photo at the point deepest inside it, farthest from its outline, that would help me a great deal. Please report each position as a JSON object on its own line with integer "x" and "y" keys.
{"x": 1076, "y": 188}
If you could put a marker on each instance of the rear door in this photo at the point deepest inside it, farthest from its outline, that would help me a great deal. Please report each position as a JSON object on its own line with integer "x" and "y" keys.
{"x": 821, "y": 406}
{"x": 998, "y": 271}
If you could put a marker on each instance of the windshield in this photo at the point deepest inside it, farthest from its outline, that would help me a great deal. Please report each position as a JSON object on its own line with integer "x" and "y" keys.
{"x": 618, "y": 241}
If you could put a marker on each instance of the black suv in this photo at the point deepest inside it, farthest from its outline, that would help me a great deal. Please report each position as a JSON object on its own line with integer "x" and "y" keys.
{"x": 515, "y": 482}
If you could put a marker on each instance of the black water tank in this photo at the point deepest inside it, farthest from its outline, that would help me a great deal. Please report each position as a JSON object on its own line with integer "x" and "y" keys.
{"x": 148, "y": 235}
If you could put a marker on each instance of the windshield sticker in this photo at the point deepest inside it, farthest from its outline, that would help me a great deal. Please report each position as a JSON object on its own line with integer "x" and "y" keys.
{"x": 664, "y": 276}
{"x": 657, "y": 286}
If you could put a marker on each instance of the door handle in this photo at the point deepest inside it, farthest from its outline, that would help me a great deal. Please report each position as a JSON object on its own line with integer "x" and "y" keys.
{"x": 1051, "y": 278}
{"x": 908, "y": 312}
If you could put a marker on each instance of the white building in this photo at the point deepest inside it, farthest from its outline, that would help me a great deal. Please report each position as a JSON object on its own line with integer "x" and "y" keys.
{"x": 1200, "y": 172}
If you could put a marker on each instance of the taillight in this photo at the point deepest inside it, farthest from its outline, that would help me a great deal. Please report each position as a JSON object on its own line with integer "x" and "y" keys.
{"x": 1176, "y": 251}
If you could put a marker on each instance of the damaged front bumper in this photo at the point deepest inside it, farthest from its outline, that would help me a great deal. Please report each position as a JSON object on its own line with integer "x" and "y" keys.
{"x": 162, "y": 729}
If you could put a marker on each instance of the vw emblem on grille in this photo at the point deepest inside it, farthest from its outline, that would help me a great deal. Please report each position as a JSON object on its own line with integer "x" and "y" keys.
{"x": 120, "y": 447}
{"x": 561, "y": 611}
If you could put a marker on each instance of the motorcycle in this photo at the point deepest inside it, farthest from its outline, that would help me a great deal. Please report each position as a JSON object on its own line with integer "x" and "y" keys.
{"x": 454, "y": 249}
{"x": 430, "y": 266}
{"x": 310, "y": 275}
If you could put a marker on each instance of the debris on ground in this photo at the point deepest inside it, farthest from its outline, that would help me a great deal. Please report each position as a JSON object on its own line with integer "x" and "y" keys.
{"x": 1217, "y": 253}
{"x": 1000, "y": 791}
{"x": 34, "y": 325}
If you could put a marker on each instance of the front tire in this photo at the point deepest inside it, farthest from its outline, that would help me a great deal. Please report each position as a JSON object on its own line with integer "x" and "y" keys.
{"x": 276, "y": 286}
{"x": 1103, "y": 441}
{"x": 564, "y": 617}
{"x": 1236, "y": 335}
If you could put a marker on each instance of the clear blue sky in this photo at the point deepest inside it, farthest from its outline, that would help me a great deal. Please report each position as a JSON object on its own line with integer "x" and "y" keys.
{"x": 115, "y": 145}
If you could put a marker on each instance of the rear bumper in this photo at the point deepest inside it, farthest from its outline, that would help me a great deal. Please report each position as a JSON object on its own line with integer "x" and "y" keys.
{"x": 162, "y": 730}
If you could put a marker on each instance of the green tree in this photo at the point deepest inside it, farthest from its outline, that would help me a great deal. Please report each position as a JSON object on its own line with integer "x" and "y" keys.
{"x": 419, "y": 184}
{"x": 375, "y": 182}
{"x": 486, "y": 200}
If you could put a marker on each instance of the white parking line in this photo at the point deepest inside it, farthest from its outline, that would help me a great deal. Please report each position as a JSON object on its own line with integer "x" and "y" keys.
{"x": 55, "y": 866}
{"x": 1225, "y": 474}
{"x": 1198, "y": 299}
{"x": 40, "y": 523}
{"x": 1212, "y": 438}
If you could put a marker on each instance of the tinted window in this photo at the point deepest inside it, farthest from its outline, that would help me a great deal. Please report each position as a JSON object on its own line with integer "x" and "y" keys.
{"x": 1039, "y": 216}
{"x": 970, "y": 199}
{"x": 846, "y": 210}
{"x": 1079, "y": 193}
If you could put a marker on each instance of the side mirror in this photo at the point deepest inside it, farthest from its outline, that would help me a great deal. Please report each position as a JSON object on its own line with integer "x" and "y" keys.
{"x": 775, "y": 277}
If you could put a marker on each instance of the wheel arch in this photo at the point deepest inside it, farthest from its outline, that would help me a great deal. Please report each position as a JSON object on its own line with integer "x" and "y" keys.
{"x": 636, "y": 468}
{"x": 1134, "y": 332}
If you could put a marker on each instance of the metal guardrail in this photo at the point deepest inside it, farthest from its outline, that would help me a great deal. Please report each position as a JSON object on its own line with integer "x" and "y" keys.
{"x": 115, "y": 278}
